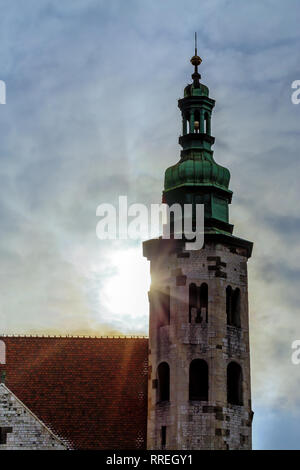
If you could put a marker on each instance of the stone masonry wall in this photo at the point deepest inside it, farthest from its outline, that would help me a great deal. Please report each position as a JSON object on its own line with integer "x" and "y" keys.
{"x": 22, "y": 430}
{"x": 212, "y": 424}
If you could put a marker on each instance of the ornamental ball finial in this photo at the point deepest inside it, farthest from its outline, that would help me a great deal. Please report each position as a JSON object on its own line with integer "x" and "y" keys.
{"x": 196, "y": 60}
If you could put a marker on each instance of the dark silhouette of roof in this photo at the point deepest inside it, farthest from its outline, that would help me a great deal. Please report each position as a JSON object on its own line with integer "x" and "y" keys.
{"x": 91, "y": 392}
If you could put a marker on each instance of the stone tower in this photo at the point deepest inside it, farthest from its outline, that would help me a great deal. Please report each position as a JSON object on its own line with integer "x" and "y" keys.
{"x": 199, "y": 394}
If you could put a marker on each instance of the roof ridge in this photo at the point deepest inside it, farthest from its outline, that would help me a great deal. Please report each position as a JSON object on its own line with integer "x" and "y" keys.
{"x": 75, "y": 336}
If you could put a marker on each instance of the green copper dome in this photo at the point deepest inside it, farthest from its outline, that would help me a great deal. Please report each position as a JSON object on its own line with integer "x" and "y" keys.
{"x": 197, "y": 178}
{"x": 196, "y": 172}
{"x": 192, "y": 90}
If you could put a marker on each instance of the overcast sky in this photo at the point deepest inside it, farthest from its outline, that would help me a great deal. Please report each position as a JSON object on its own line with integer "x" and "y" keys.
{"x": 91, "y": 114}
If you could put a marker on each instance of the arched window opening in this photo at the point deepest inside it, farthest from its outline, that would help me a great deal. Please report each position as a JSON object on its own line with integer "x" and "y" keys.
{"x": 192, "y": 302}
{"x": 233, "y": 306}
{"x": 198, "y": 380}
{"x": 163, "y": 376}
{"x": 228, "y": 304}
{"x": 191, "y": 120}
{"x": 234, "y": 384}
{"x": 196, "y": 121}
{"x": 184, "y": 124}
{"x": 204, "y": 302}
{"x": 207, "y": 123}
{"x": 235, "y": 309}
{"x": 198, "y": 303}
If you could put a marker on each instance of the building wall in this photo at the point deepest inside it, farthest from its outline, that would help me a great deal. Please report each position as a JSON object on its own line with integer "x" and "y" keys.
{"x": 212, "y": 424}
{"x": 21, "y": 429}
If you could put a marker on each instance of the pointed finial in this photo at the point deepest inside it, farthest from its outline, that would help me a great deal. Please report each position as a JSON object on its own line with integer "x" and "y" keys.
{"x": 195, "y": 61}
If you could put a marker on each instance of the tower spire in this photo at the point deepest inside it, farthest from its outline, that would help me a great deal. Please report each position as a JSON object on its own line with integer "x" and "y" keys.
{"x": 195, "y": 61}
{"x": 199, "y": 390}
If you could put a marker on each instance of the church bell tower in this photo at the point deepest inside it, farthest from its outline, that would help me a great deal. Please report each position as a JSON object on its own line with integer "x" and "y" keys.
{"x": 199, "y": 394}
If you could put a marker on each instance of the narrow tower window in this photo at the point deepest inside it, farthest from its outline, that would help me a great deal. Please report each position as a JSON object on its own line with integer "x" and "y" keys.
{"x": 207, "y": 123}
{"x": 235, "y": 310}
{"x": 228, "y": 304}
{"x": 198, "y": 303}
{"x": 191, "y": 121}
{"x": 163, "y": 375}
{"x": 184, "y": 125}
{"x": 233, "y": 306}
{"x": 197, "y": 122}
{"x": 198, "y": 380}
{"x": 203, "y": 294}
{"x": 192, "y": 302}
{"x": 234, "y": 384}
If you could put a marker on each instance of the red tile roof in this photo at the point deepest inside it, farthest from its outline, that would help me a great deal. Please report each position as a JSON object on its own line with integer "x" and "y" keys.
{"x": 90, "y": 391}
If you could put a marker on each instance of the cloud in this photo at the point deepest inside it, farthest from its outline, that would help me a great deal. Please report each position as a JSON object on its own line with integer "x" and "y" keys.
{"x": 275, "y": 430}
{"x": 91, "y": 113}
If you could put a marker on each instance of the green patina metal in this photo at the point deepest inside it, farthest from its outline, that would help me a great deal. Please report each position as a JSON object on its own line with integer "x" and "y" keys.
{"x": 197, "y": 170}
{"x": 190, "y": 90}
{"x": 197, "y": 178}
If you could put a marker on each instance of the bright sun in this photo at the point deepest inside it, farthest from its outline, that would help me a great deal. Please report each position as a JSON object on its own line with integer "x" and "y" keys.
{"x": 125, "y": 293}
